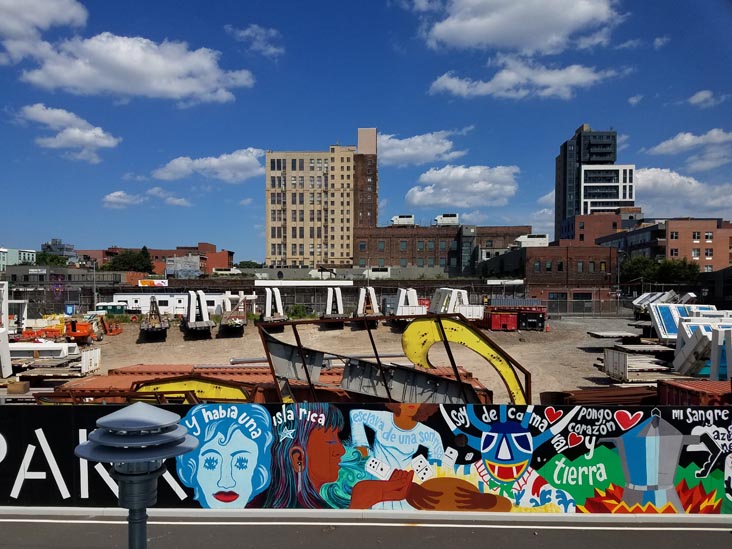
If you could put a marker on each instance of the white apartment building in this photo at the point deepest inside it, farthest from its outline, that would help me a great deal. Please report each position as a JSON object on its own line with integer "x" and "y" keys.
{"x": 606, "y": 187}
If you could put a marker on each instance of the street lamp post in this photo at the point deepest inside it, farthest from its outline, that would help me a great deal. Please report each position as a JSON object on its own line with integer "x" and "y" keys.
{"x": 94, "y": 285}
{"x": 619, "y": 251}
{"x": 137, "y": 440}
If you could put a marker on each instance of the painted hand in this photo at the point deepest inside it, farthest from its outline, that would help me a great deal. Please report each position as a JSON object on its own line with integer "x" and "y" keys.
{"x": 421, "y": 498}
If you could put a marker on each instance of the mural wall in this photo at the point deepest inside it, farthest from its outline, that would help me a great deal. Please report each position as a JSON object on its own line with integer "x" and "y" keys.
{"x": 396, "y": 456}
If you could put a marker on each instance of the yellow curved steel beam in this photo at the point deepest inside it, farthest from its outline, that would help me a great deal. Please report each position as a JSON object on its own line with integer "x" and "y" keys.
{"x": 422, "y": 333}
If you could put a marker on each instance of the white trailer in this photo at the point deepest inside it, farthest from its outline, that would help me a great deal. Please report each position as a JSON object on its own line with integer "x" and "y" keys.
{"x": 171, "y": 304}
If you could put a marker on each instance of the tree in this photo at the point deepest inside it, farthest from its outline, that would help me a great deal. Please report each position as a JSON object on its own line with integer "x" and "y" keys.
{"x": 675, "y": 271}
{"x": 129, "y": 260}
{"x": 668, "y": 271}
{"x": 146, "y": 265}
{"x": 637, "y": 268}
{"x": 51, "y": 260}
{"x": 249, "y": 265}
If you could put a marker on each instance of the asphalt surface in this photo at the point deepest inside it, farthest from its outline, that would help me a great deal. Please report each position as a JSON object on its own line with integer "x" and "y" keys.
{"x": 366, "y": 530}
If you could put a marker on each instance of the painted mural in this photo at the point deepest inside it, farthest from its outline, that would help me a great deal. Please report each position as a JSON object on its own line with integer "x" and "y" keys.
{"x": 500, "y": 458}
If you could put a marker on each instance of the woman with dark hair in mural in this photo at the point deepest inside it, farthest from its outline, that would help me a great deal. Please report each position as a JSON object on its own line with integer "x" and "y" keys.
{"x": 307, "y": 455}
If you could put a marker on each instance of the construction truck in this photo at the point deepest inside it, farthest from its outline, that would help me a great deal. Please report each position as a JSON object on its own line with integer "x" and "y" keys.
{"x": 154, "y": 325}
{"x": 234, "y": 317}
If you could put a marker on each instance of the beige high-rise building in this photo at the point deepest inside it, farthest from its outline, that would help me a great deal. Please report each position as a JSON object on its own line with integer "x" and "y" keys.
{"x": 315, "y": 200}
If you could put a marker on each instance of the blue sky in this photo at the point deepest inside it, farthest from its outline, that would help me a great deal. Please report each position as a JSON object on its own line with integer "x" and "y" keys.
{"x": 145, "y": 123}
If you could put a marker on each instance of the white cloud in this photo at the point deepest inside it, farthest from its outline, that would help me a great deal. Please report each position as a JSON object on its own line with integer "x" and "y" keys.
{"x": 130, "y": 176}
{"x": 120, "y": 199}
{"x": 464, "y": 186}
{"x": 383, "y": 203}
{"x": 519, "y": 78}
{"x": 600, "y": 38}
{"x": 547, "y": 200}
{"x": 420, "y": 6}
{"x": 258, "y": 39}
{"x": 706, "y": 98}
{"x": 665, "y": 193}
{"x": 529, "y": 26}
{"x": 629, "y": 44}
{"x": 75, "y": 134}
{"x": 168, "y": 197}
{"x": 660, "y": 41}
{"x": 418, "y": 149}
{"x": 233, "y": 168}
{"x": 622, "y": 141}
{"x": 542, "y": 221}
{"x": 715, "y": 149}
{"x": 476, "y": 217}
{"x": 246, "y": 201}
{"x": 27, "y": 18}
{"x": 635, "y": 99}
{"x": 135, "y": 67}
{"x": 685, "y": 141}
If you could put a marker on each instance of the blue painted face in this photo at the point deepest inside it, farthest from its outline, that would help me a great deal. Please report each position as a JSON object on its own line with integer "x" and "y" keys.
{"x": 506, "y": 450}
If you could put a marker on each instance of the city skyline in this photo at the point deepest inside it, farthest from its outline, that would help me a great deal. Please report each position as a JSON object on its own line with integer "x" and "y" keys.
{"x": 140, "y": 123}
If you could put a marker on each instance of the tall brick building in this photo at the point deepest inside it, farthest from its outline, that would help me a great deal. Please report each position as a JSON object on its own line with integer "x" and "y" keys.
{"x": 587, "y": 179}
{"x": 316, "y": 199}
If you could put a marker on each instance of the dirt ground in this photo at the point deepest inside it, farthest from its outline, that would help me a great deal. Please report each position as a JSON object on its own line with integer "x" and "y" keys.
{"x": 561, "y": 359}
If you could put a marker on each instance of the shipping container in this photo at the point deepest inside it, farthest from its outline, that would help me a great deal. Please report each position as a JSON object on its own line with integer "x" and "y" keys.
{"x": 694, "y": 392}
{"x": 504, "y": 322}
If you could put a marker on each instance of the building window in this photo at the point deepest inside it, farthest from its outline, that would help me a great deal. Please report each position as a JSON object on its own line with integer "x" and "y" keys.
{"x": 708, "y": 268}
{"x": 420, "y": 245}
{"x": 592, "y": 267}
{"x": 582, "y": 237}
{"x": 537, "y": 266}
{"x": 361, "y": 262}
{"x": 380, "y": 245}
{"x": 674, "y": 252}
{"x": 560, "y": 265}
{"x": 489, "y": 243}
{"x": 581, "y": 225}
{"x": 708, "y": 236}
{"x": 402, "y": 245}
{"x": 403, "y": 262}
{"x": 696, "y": 235}
{"x": 443, "y": 245}
{"x": 420, "y": 262}
{"x": 430, "y": 245}
{"x": 603, "y": 266}
{"x": 362, "y": 245}
{"x": 695, "y": 253}
{"x": 548, "y": 266}
{"x": 443, "y": 262}
{"x": 708, "y": 253}
{"x": 580, "y": 266}
{"x": 430, "y": 261}
{"x": 674, "y": 235}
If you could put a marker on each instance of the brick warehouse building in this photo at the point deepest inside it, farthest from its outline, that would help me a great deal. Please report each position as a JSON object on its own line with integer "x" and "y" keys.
{"x": 706, "y": 242}
{"x": 567, "y": 277}
{"x": 456, "y": 248}
{"x": 209, "y": 257}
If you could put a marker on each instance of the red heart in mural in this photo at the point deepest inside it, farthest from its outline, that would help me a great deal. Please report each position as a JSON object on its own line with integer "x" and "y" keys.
{"x": 626, "y": 421}
{"x": 574, "y": 439}
{"x": 552, "y": 415}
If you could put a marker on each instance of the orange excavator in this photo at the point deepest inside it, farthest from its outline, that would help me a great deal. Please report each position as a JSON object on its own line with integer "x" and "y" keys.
{"x": 84, "y": 331}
